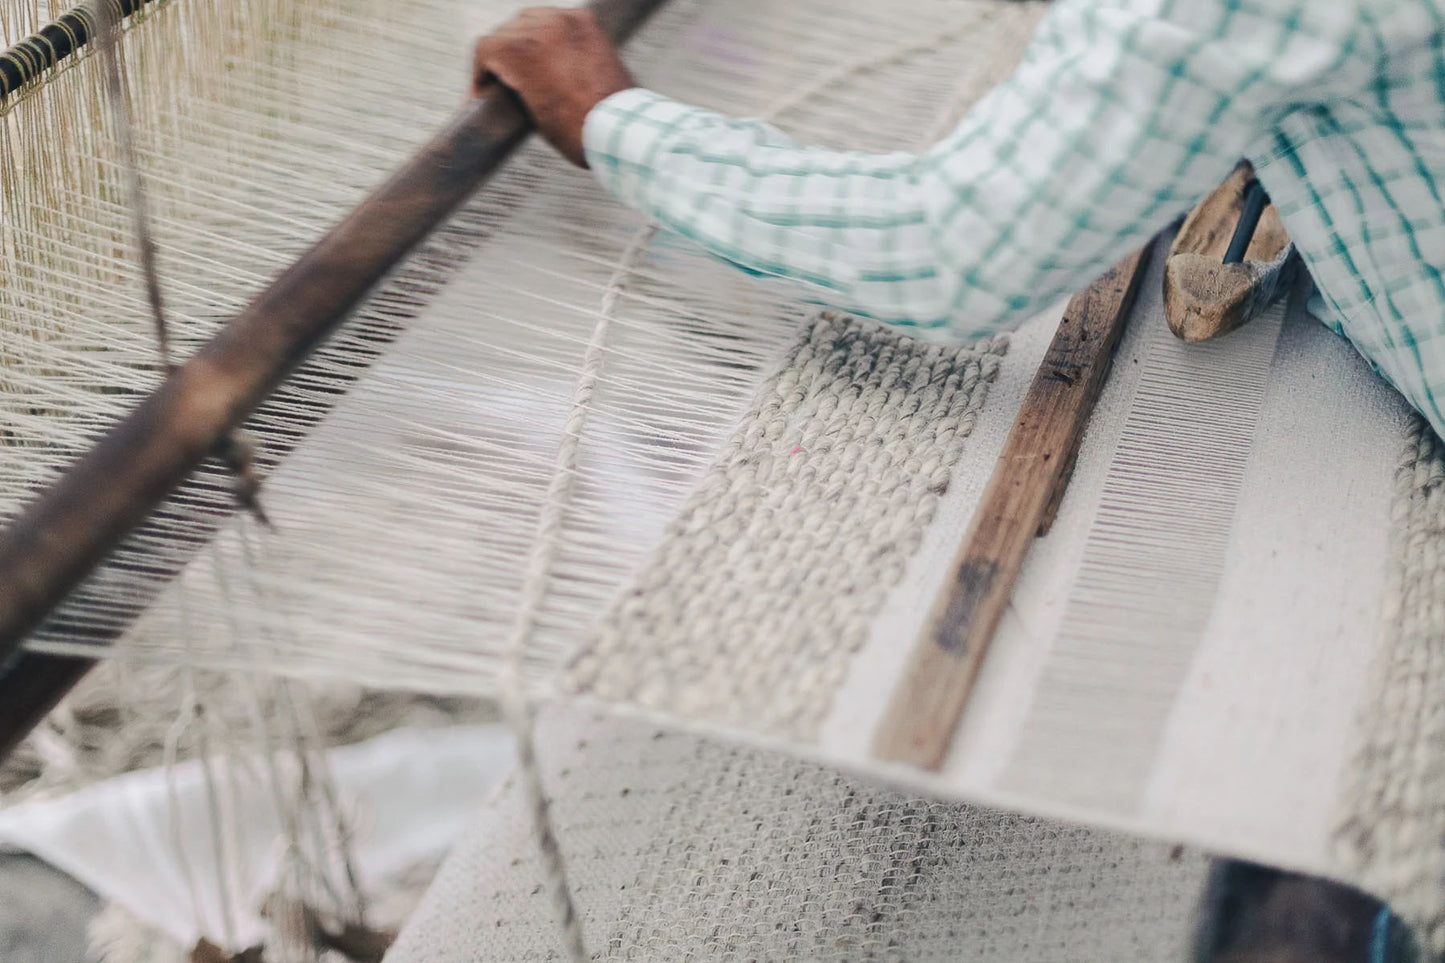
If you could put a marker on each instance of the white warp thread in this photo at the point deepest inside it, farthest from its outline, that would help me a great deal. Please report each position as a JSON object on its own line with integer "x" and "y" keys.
{"x": 515, "y": 703}
{"x": 444, "y": 451}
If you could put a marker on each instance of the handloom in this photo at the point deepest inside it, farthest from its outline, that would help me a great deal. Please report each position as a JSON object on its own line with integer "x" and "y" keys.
{"x": 1097, "y": 703}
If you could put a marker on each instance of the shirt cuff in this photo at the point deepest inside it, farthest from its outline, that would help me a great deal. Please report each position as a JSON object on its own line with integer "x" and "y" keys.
{"x": 624, "y": 133}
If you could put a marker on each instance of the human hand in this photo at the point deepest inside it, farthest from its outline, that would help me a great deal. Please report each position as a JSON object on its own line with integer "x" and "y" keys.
{"x": 560, "y": 63}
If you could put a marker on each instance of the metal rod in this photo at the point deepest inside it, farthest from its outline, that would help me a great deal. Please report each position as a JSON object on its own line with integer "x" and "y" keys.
{"x": 1255, "y": 201}
{"x": 70, "y": 528}
{"x": 54, "y": 43}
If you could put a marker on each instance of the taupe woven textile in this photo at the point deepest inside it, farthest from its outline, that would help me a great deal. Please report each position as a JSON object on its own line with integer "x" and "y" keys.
{"x": 747, "y": 611}
{"x": 685, "y": 849}
{"x": 1393, "y": 827}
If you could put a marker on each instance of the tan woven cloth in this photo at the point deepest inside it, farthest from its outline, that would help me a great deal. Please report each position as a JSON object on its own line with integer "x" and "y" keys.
{"x": 1392, "y": 828}
{"x": 767, "y": 583}
{"x": 686, "y": 849}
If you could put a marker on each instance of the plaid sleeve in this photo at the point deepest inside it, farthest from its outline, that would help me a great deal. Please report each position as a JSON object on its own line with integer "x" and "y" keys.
{"x": 1121, "y": 115}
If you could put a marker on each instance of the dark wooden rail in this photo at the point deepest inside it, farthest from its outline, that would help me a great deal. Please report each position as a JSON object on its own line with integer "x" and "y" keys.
{"x": 52, "y": 44}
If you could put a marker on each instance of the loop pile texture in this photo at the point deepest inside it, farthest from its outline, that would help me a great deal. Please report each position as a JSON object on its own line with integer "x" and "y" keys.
{"x": 768, "y": 580}
{"x": 1392, "y": 830}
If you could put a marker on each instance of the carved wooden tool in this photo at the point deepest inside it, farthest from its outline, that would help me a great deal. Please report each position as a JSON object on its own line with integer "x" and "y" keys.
{"x": 1020, "y": 502}
{"x": 1230, "y": 260}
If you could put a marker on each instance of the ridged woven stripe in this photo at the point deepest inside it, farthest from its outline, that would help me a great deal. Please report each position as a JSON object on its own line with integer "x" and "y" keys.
{"x": 771, "y": 574}
{"x": 1392, "y": 834}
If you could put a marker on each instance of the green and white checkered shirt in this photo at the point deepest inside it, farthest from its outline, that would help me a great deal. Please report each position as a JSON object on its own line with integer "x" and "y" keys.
{"x": 1122, "y": 115}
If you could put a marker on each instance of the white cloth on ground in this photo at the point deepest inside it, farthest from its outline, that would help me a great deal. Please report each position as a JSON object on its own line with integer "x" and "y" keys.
{"x": 140, "y": 839}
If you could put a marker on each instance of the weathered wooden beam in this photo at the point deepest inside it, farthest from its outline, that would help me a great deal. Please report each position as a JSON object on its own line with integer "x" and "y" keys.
{"x": 1019, "y": 503}
{"x": 71, "y": 527}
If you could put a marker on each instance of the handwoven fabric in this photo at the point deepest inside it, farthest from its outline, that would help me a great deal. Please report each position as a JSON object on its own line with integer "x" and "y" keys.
{"x": 769, "y": 578}
{"x": 1392, "y": 831}
{"x": 680, "y": 848}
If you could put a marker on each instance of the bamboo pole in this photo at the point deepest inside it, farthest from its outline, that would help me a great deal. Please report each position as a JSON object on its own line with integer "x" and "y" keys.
{"x": 71, "y": 527}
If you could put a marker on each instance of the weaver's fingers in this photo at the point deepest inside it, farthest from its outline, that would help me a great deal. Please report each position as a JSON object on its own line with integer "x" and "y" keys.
{"x": 561, "y": 63}
{"x": 485, "y": 55}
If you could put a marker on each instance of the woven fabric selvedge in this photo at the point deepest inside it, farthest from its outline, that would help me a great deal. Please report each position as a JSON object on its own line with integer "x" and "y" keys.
{"x": 747, "y": 611}
{"x": 1391, "y": 834}
{"x": 682, "y": 848}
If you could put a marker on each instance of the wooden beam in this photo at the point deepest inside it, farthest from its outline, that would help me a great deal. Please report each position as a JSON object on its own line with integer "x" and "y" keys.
{"x": 1019, "y": 503}
{"x": 70, "y": 528}
{"x": 30, "y": 686}
{"x": 52, "y": 44}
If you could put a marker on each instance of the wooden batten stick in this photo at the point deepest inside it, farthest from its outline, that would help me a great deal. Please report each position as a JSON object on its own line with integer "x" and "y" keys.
{"x": 1019, "y": 503}
{"x": 72, "y": 526}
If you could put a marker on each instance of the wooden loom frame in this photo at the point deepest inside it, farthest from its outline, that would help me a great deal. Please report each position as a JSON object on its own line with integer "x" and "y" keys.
{"x": 64, "y": 534}
{"x": 60, "y": 538}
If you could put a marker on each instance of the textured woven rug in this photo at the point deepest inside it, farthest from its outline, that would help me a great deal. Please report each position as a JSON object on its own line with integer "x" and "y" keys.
{"x": 1194, "y": 633}
{"x": 1392, "y": 829}
{"x": 683, "y": 848}
{"x": 767, "y": 584}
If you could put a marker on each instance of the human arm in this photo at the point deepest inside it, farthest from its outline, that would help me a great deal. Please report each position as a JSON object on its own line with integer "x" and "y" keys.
{"x": 560, "y": 62}
{"x": 1120, "y": 117}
